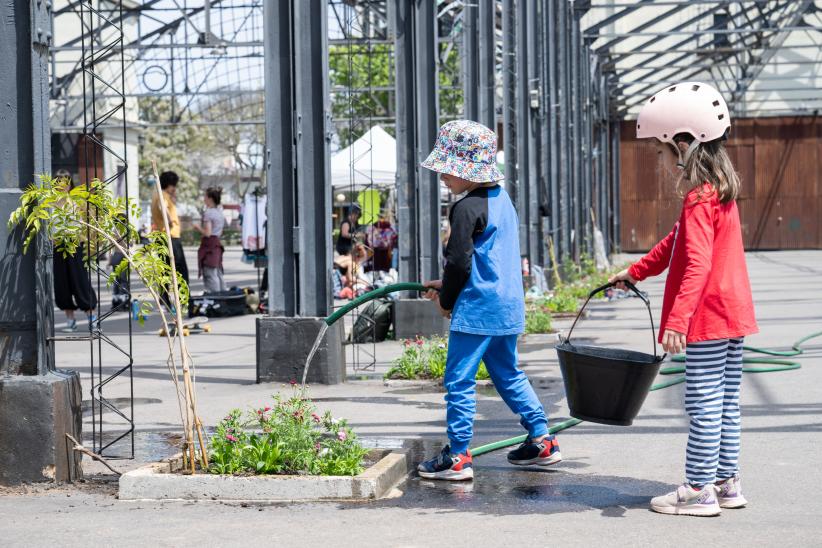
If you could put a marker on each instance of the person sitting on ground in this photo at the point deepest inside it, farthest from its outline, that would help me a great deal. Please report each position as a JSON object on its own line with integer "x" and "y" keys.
{"x": 481, "y": 291}
{"x": 345, "y": 241}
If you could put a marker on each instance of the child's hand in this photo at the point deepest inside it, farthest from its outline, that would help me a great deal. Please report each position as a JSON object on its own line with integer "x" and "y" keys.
{"x": 620, "y": 277}
{"x": 443, "y": 312}
{"x": 673, "y": 342}
{"x": 432, "y": 294}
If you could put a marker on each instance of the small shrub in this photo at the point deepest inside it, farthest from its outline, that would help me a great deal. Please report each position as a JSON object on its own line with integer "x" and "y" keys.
{"x": 562, "y": 301}
{"x": 288, "y": 438}
{"x": 537, "y": 320}
{"x": 425, "y": 359}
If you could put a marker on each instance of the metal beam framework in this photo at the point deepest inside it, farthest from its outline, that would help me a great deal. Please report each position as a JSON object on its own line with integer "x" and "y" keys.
{"x": 569, "y": 71}
{"x": 298, "y": 178}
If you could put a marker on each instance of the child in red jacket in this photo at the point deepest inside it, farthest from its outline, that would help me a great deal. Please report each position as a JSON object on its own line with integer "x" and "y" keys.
{"x": 707, "y": 309}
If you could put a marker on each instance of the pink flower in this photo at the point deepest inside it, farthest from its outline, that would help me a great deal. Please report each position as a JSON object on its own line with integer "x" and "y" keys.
{"x": 341, "y": 435}
{"x": 231, "y": 438}
{"x": 317, "y": 446}
{"x": 267, "y": 409}
{"x": 292, "y": 382}
{"x": 316, "y": 417}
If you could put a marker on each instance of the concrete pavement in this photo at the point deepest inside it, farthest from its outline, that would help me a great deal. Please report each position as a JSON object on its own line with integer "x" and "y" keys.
{"x": 597, "y": 495}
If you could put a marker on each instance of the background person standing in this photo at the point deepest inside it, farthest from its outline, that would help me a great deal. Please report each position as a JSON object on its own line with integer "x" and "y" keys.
{"x": 168, "y": 184}
{"x": 210, "y": 253}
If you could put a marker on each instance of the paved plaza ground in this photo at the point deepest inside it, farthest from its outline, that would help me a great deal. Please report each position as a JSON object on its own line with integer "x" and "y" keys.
{"x": 597, "y": 496}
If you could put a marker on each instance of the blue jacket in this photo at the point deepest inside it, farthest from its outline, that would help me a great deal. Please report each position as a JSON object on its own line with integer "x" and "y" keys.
{"x": 482, "y": 278}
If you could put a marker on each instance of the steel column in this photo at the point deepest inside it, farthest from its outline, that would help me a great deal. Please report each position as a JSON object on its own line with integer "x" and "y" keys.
{"x": 406, "y": 140}
{"x": 509, "y": 123}
{"x": 563, "y": 238}
{"x": 26, "y": 296}
{"x": 535, "y": 104}
{"x": 522, "y": 110}
{"x": 470, "y": 67}
{"x": 428, "y": 191}
{"x": 576, "y": 133}
{"x": 616, "y": 217}
{"x": 312, "y": 118}
{"x": 551, "y": 118}
{"x": 486, "y": 113}
{"x": 280, "y": 176}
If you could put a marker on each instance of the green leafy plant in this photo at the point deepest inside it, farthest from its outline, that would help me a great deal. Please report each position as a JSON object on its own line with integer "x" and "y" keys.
{"x": 562, "y": 301}
{"x": 537, "y": 319}
{"x": 289, "y": 437}
{"x": 90, "y": 218}
{"x": 423, "y": 358}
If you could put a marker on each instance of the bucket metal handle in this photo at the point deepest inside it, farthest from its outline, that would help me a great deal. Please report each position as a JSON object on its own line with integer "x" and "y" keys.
{"x": 636, "y": 291}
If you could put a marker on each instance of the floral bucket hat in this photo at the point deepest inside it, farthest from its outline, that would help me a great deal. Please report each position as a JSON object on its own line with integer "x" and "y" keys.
{"x": 465, "y": 149}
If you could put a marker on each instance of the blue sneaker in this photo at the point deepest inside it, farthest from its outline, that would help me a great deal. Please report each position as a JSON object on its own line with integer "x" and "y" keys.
{"x": 71, "y": 326}
{"x": 447, "y": 466}
{"x": 542, "y": 453}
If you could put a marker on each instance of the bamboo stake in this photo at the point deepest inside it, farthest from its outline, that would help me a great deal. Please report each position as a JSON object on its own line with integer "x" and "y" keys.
{"x": 554, "y": 266}
{"x": 191, "y": 412}
{"x": 172, "y": 365}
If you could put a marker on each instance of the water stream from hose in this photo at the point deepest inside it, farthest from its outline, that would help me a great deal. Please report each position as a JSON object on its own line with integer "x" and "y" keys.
{"x": 317, "y": 342}
{"x": 362, "y": 299}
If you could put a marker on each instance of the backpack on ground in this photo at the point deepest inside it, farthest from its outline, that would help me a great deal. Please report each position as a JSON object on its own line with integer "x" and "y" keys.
{"x": 374, "y": 321}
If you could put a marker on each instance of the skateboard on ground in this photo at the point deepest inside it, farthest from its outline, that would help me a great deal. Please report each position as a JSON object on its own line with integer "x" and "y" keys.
{"x": 191, "y": 326}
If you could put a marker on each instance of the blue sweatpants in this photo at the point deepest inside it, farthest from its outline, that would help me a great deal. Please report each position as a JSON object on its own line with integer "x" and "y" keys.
{"x": 500, "y": 355}
{"x": 713, "y": 375}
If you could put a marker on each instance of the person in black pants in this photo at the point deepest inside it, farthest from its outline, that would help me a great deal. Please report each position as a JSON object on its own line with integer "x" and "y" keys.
{"x": 72, "y": 288}
{"x": 168, "y": 184}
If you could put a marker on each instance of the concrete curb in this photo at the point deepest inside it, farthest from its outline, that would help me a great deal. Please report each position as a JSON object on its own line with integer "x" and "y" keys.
{"x": 155, "y": 482}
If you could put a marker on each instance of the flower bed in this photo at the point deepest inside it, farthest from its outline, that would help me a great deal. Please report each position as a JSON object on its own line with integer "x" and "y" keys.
{"x": 424, "y": 359}
{"x": 289, "y": 437}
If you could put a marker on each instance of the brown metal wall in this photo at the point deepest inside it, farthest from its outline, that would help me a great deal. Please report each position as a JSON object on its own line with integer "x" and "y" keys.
{"x": 779, "y": 161}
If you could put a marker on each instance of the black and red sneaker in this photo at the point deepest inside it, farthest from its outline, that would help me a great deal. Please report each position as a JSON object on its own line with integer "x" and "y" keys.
{"x": 542, "y": 453}
{"x": 448, "y": 466}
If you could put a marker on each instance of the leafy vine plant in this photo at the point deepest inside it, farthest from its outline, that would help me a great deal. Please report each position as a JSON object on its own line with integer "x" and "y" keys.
{"x": 89, "y": 217}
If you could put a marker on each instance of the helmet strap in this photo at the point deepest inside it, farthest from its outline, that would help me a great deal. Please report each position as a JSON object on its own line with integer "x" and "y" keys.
{"x": 683, "y": 159}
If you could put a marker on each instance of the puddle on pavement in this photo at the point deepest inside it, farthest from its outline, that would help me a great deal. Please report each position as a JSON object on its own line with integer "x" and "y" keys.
{"x": 148, "y": 446}
{"x": 500, "y": 488}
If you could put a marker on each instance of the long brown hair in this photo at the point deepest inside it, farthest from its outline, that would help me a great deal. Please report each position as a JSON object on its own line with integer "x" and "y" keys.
{"x": 709, "y": 162}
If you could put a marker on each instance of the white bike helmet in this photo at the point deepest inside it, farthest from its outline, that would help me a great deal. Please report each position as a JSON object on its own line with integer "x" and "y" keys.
{"x": 687, "y": 107}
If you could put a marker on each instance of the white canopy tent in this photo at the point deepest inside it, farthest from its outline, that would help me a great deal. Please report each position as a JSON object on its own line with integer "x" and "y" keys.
{"x": 371, "y": 160}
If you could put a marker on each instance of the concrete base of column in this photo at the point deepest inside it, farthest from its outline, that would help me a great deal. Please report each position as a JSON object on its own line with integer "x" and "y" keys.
{"x": 414, "y": 317}
{"x": 283, "y": 345}
{"x": 36, "y": 413}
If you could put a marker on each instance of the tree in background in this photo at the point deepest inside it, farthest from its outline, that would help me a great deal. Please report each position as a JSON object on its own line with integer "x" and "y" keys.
{"x": 179, "y": 146}
{"x": 362, "y": 88}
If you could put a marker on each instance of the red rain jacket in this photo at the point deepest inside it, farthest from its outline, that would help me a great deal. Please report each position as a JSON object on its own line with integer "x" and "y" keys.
{"x": 707, "y": 293}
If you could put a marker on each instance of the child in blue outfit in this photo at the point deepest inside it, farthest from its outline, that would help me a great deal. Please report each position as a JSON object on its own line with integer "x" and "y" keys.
{"x": 481, "y": 291}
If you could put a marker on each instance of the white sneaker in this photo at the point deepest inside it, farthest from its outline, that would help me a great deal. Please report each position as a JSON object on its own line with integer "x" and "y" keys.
{"x": 729, "y": 493}
{"x": 687, "y": 501}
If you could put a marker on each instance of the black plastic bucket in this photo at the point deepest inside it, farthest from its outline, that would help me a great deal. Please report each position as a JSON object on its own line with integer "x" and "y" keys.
{"x": 607, "y": 385}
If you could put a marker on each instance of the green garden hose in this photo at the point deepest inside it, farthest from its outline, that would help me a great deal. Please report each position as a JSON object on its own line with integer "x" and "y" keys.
{"x": 371, "y": 295}
{"x": 778, "y": 365}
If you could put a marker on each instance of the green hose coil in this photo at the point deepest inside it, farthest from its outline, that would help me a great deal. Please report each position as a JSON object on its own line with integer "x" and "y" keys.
{"x": 778, "y": 365}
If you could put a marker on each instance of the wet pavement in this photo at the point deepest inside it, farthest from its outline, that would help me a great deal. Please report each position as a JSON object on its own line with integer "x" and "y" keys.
{"x": 501, "y": 489}
{"x": 597, "y": 496}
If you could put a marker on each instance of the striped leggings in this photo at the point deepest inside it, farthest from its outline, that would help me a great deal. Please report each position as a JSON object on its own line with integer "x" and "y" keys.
{"x": 713, "y": 374}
